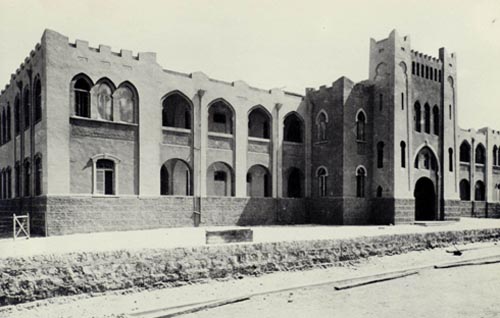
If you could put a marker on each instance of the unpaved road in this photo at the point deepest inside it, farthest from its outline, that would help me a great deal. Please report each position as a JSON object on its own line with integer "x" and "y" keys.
{"x": 471, "y": 291}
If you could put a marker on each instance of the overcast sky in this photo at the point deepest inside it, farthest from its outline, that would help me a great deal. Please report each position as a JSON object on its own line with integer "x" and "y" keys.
{"x": 287, "y": 44}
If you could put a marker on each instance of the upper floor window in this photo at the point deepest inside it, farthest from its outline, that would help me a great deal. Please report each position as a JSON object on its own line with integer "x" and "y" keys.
{"x": 321, "y": 121}
{"x": 81, "y": 91}
{"x": 360, "y": 126}
{"x": 104, "y": 102}
{"x": 293, "y": 128}
{"x": 220, "y": 118}
{"x": 380, "y": 154}
{"x": 176, "y": 111}
{"x": 27, "y": 108}
{"x": 259, "y": 122}
{"x": 38, "y": 101}
{"x": 450, "y": 159}
{"x": 8, "y": 124}
{"x": 418, "y": 117}
{"x": 495, "y": 156}
{"x": 435, "y": 117}
{"x": 125, "y": 103}
{"x": 480, "y": 154}
{"x": 427, "y": 118}
{"x": 403, "y": 154}
{"x": 464, "y": 152}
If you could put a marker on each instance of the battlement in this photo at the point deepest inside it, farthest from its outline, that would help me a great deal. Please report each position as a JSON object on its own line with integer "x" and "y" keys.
{"x": 22, "y": 66}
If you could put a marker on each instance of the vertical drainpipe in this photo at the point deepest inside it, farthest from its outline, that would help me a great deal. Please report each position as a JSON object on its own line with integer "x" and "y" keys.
{"x": 197, "y": 163}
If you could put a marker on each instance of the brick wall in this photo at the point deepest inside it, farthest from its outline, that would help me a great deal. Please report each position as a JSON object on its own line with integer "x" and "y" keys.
{"x": 404, "y": 211}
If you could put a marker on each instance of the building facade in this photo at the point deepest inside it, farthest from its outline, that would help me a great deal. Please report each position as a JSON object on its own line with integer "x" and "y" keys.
{"x": 94, "y": 140}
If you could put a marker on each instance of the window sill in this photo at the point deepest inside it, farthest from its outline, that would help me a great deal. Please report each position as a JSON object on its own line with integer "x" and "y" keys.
{"x": 222, "y": 135}
{"x": 321, "y": 142}
{"x": 177, "y": 129}
{"x": 102, "y": 121}
{"x": 110, "y": 196}
{"x": 293, "y": 143}
{"x": 258, "y": 139}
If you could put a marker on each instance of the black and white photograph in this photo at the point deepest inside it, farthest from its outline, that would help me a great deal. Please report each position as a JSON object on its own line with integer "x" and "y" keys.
{"x": 249, "y": 158}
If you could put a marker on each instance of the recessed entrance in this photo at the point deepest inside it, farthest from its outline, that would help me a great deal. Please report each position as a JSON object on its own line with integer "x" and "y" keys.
{"x": 425, "y": 200}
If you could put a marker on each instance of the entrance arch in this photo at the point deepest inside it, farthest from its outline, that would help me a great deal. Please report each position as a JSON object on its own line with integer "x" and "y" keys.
{"x": 425, "y": 200}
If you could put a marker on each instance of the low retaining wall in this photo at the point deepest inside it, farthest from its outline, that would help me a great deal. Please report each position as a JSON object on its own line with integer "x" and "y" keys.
{"x": 39, "y": 277}
{"x": 61, "y": 215}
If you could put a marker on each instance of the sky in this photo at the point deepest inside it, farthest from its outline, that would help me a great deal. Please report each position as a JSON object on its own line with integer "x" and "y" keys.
{"x": 280, "y": 43}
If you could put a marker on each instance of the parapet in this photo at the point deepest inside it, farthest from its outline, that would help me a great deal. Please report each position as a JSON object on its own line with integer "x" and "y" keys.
{"x": 51, "y": 37}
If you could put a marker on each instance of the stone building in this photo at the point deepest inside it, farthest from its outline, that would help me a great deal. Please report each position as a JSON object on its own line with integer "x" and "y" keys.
{"x": 94, "y": 140}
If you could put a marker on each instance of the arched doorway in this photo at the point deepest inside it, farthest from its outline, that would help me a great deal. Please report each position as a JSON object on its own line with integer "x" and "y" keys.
{"x": 425, "y": 200}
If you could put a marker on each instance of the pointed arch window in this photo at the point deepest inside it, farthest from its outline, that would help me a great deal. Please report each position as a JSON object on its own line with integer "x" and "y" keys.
{"x": 403, "y": 154}
{"x": 104, "y": 102}
{"x": 38, "y": 175}
{"x": 418, "y": 117}
{"x": 8, "y": 123}
{"x": 450, "y": 159}
{"x": 81, "y": 91}
{"x": 380, "y": 154}
{"x": 321, "y": 122}
{"x": 435, "y": 117}
{"x": 360, "y": 127}
{"x": 427, "y": 118}
{"x": 38, "y": 101}
{"x": 465, "y": 152}
{"x": 464, "y": 190}
{"x": 379, "y": 192}
{"x": 495, "y": 155}
{"x": 479, "y": 194}
{"x": 480, "y": 154}
{"x": 360, "y": 182}
{"x": 27, "y": 178}
{"x": 27, "y": 108}
{"x": 322, "y": 176}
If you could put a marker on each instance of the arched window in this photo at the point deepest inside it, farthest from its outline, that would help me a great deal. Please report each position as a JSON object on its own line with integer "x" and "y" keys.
{"x": 479, "y": 191}
{"x": 27, "y": 178}
{"x": 418, "y": 117}
{"x": 220, "y": 118}
{"x": 360, "y": 126}
{"x": 480, "y": 154}
{"x": 426, "y": 159}
{"x": 427, "y": 118}
{"x": 360, "y": 182}
{"x": 322, "y": 175}
{"x": 18, "y": 179}
{"x": 176, "y": 111}
{"x": 495, "y": 156}
{"x": 125, "y": 101}
{"x": 38, "y": 175}
{"x": 464, "y": 190}
{"x": 2, "y": 184}
{"x": 17, "y": 115}
{"x": 450, "y": 159}
{"x": 380, "y": 154}
{"x": 258, "y": 182}
{"x": 27, "y": 108}
{"x": 81, "y": 91}
{"x": 105, "y": 177}
{"x": 175, "y": 178}
{"x": 2, "y": 127}
{"x": 435, "y": 117}
{"x": 292, "y": 130}
{"x": 104, "y": 101}
{"x": 403, "y": 154}
{"x": 321, "y": 122}
{"x": 220, "y": 180}
{"x": 9, "y": 182}
{"x": 259, "y": 124}
{"x": 8, "y": 125}
{"x": 38, "y": 101}
{"x": 294, "y": 183}
{"x": 379, "y": 192}
{"x": 464, "y": 152}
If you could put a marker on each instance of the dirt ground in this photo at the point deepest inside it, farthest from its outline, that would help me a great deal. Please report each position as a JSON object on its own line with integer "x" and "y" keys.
{"x": 456, "y": 293}
{"x": 475, "y": 288}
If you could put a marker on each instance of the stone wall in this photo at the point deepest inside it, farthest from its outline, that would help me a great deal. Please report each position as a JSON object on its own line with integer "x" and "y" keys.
{"x": 326, "y": 211}
{"x": 36, "y": 208}
{"x": 382, "y": 211}
{"x": 84, "y": 214}
{"x": 404, "y": 211}
{"x": 38, "y": 277}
